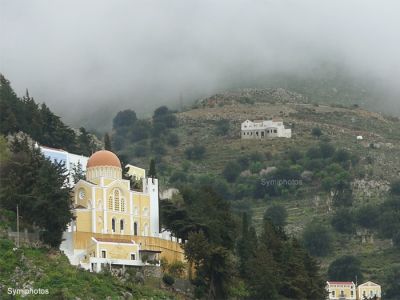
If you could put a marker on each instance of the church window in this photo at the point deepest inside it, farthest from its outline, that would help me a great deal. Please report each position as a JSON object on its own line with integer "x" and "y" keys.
{"x": 121, "y": 225}
{"x": 116, "y": 200}
{"x": 146, "y": 229}
{"x": 135, "y": 229}
{"x": 110, "y": 202}
{"x": 122, "y": 204}
{"x": 113, "y": 225}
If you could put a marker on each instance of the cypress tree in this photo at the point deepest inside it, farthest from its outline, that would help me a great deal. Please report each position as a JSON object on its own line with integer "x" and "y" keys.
{"x": 152, "y": 170}
{"x": 107, "y": 142}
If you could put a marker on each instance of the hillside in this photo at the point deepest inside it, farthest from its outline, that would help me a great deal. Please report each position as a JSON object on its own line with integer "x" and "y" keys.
{"x": 378, "y": 161}
{"x": 40, "y": 268}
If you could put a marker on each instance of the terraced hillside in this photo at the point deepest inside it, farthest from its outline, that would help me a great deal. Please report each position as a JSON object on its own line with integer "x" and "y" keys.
{"x": 378, "y": 159}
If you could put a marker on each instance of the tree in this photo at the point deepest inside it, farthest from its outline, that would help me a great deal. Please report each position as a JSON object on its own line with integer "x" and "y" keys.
{"x": 152, "y": 170}
{"x": 295, "y": 155}
{"x": 367, "y": 216}
{"x": 345, "y": 268}
{"x": 139, "y": 131}
{"x": 392, "y": 282}
{"x": 107, "y": 142}
{"x": 4, "y": 151}
{"x": 173, "y": 139}
{"x": 316, "y": 132}
{"x": 327, "y": 150}
{"x": 39, "y": 188}
{"x": 231, "y": 171}
{"x": 123, "y": 119}
{"x": 395, "y": 187}
{"x": 246, "y": 247}
{"x": 222, "y": 127}
{"x": 317, "y": 239}
{"x": 52, "y": 208}
{"x": 195, "y": 152}
{"x": 85, "y": 142}
{"x": 277, "y": 214}
{"x": 343, "y": 221}
{"x": 77, "y": 172}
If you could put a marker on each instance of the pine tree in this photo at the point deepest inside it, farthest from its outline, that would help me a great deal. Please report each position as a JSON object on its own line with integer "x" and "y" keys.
{"x": 77, "y": 172}
{"x": 39, "y": 189}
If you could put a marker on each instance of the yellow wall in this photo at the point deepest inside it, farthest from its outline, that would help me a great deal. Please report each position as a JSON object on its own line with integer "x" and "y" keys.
{"x": 120, "y": 251}
{"x": 136, "y": 171}
{"x": 170, "y": 250}
{"x": 84, "y": 220}
{"x": 346, "y": 290}
{"x": 367, "y": 290}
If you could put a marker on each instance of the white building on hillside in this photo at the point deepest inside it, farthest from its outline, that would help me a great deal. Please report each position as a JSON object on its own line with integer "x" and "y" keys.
{"x": 264, "y": 129}
{"x": 69, "y": 160}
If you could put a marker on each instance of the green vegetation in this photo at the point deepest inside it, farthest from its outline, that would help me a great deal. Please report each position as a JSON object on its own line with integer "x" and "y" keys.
{"x": 37, "y": 187}
{"x": 271, "y": 265}
{"x": 346, "y": 268}
{"x": 48, "y": 269}
{"x": 42, "y": 125}
{"x": 277, "y": 215}
{"x": 317, "y": 239}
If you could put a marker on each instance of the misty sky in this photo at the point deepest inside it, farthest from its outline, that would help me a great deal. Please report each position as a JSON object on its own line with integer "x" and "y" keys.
{"x": 78, "y": 55}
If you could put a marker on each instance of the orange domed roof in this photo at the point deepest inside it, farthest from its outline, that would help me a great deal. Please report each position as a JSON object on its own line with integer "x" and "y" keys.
{"x": 103, "y": 158}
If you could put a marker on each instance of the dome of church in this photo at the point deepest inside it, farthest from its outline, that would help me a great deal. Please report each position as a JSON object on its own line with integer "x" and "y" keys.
{"x": 103, "y": 158}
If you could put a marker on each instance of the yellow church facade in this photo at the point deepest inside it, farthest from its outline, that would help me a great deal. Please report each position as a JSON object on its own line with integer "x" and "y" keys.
{"x": 115, "y": 225}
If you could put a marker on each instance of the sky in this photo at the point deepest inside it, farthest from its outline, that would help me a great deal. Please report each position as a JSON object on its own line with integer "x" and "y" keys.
{"x": 81, "y": 57}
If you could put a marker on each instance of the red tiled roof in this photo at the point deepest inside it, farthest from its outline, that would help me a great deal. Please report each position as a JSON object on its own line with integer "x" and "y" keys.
{"x": 341, "y": 282}
{"x": 103, "y": 158}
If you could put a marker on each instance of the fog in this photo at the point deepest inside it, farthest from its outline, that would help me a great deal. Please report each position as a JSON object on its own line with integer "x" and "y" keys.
{"x": 88, "y": 59}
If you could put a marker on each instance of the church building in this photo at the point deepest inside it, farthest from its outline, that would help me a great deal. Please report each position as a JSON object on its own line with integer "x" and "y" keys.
{"x": 115, "y": 225}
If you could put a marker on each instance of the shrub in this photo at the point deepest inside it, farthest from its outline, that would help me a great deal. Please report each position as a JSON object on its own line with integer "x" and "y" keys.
{"x": 177, "y": 268}
{"x": 395, "y": 187}
{"x": 140, "y": 150}
{"x": 396, "y": 240}
{"x": 168, "y": 279}
{"x": 313, "y": 153}
{"x": 342, "y": 221}
{"x": 345, "y": 268}
{"x": 327, "y": 150}
{"x": 195, "y": 152}
{"x": 295, "y": 155}
{"x": 173, "y": 139}
{"x": 317, "y": 239}
{"x": 316, "y": 131}
{"x": 231, "y": 171}
{"x": 367, "y": 216}
{"x": 222, "y": 127}
{"x": 277, "y": 214}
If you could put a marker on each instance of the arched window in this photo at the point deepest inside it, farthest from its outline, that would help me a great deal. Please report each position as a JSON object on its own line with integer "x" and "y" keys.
{"x": 122, "y": 204}
{"x": 121, "y": 225}
{"x": 113, "y": 225}
{"x": 110, "y": 202}
{"x": 135, "y": 228}
{"x": 116, "y": 200}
